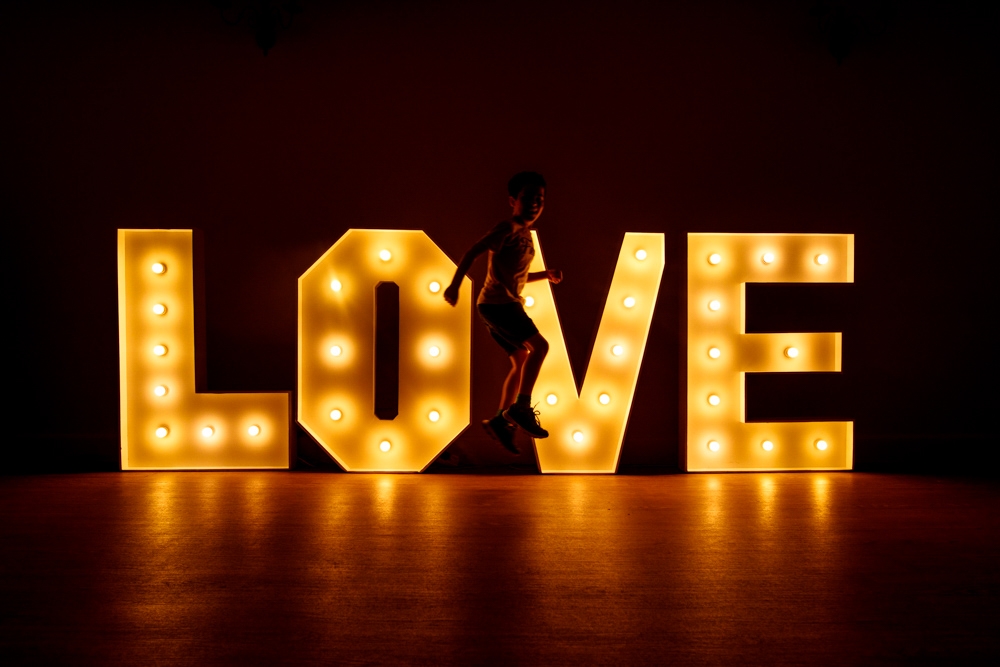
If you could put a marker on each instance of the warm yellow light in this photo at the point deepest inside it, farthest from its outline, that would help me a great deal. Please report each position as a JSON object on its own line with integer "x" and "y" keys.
{"x": 253, "y": 430}
{"x": 714, "y": 446}
{"x": 713, "y": 399}
{"x": 791, "y": 352}
{"x": 336, "y": 415}
{"x": 159, "y": 309}
{"x": 336, "y": 350}
{"x": 577, "y": 436}
{"x": 767, "y": 257}
{"x": 336, "y": 285}
{"x": 434, "y": 351}
{"x": 159, "y": 267}
{"x": 159, "y": 350}
{"x": 434, "y": 287}
{"x": 821, "y": 445}
{"x": 604, "y": 399}
{"x": 629, "y": 301}
{"x": 160, "y": 390}
{"x": 385, "y": 256}
{"x": 640, "y": 254}
{"x": 617, "y": 350}
{"x": 385, "y": 445}
{"x": 434, "y": 415}
{"x": 207, "y": 432}
{"x": 162, "y": 432}
{"x": 551, "y": 399}
{"x": 822, "y": 259}
{"x": 714, "y": 258}
{"x": 767, "y": 445}
{"x": 714, "y": 352}
{"x": 714, "y": 304}
{"x": 529, "y": 301}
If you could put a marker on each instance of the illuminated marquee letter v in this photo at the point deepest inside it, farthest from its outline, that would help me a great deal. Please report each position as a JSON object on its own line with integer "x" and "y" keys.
{"x": 587, "y": 428}
{"x": 166, "y": 423}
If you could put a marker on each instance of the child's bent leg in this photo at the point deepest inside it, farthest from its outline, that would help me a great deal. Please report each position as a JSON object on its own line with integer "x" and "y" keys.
{"x": 513, "y": 379}
{"x": 538, "y": 348}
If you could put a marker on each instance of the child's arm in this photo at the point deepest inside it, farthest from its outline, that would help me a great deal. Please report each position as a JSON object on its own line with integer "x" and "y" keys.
{"x": 554, "y": 276}
{"x": 481, "y": 246}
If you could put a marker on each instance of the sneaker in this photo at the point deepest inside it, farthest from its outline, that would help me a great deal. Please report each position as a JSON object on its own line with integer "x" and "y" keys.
{"x": 502, "y": 431}
{"x": 527, "y": 418}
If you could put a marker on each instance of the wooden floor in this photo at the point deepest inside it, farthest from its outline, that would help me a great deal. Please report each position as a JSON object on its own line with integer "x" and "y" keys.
{"x": 296, "y": 568}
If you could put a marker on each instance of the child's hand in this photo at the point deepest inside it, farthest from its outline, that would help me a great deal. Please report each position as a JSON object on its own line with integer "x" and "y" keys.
{"x": 451, "y": 294}
{"x": 554, "y": 276}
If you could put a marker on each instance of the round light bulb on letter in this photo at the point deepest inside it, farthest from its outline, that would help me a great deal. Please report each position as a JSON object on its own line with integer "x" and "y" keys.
{"x": 253, "y": 431}
{"x": 604, "y": 399}
{"x": 335, "y": 285}
{"x": 434, "y": 415}
{"x": 336, "y": 414}
{"x": 384, "y": 255}
{"x": 336, "y": 350}
{"x": 159, "y": 268}
{"x": 529, "y": 301}
{"x": 162, "y": 432}
{"x": 617, "y": 350}
{"x": 714, "y": 352}
{"x": 767, "y": 445}
{"x": 160, "y": 390}
{"x": 713, "y": 399}
{"x": 434, "y": 351}
{"x": 640, "y": 254}
{"x": 714, "y": 304}
{"x": 551, "y": 399}
{"x": 791, "y": 352}
{"x": 434, "y": 287}
{"x": 159, "y": 350}
{"x": 385, "y": 445}
{"x": 629, "y": 301}
{"x": 714, "y": 258}
{"x": 714, "y": 446}
{"x": 577, "y": 436}
{"x": 159, "y": 309}
{"x": 821, "y": 445}
{"x": 822, "y": 259}
{"x": 767, "y": 257}
{"x": 207, "y": 432}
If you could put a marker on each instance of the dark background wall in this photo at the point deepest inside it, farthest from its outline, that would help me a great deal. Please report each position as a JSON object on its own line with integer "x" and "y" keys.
{"x": 644, "y": 116}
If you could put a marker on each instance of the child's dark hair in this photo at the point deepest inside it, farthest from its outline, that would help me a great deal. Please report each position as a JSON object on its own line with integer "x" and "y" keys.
{"x": 525, "y": 179}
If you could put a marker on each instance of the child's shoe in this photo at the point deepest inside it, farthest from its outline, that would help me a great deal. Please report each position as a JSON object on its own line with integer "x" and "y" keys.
{"x": 526, "y": 417}
{"x": 502, "y": 431}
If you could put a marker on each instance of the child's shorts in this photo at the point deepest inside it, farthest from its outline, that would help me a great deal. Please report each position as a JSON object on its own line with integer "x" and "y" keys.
{"x": 509, "y": 325}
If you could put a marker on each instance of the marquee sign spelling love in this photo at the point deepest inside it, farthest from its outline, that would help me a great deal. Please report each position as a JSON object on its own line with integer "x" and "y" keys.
{"x": 168, "y": 424}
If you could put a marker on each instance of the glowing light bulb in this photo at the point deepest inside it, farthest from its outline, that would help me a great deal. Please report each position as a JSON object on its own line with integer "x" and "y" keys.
{"x": 714, "y": 446}
{"x": 160, "y": 390}
{"x": 604, "y": 399}
{"x": 385, "y": 256}
{"x": 640, "y": 254}
{"x": 434, "y": 351}
{"x": 253, "y": 431}
{"x": 336, "y": 285}
{"x": 714, "y": 258}
{"x": 529, "y": 301}
{"x": 629, "y": 301}
{"x": 821, "y": 445}
{"x": 713, "y": 399}
{"x": 767, "y": 445}
{"x": 162, "y": 432}
{"x": 714, "y": 352}
{"x": 767, "y": 257}
{"x": 434, "y": 287}
{"x": 336, "y": 350}
{"x": 714, "y": 304}
{"x": 159, "y": 268}
{"x": 577, "y": 436}
{"x": 159, "y": 350}
{"x": 791, "y": 352}
{"x": 434, "y": 415}
{"x": 551, "y": 399}
{"x": 207, "y": 432}
{"x": 336, "y": 415}
{"x": 617, "y": 350}
{"x": 822, "y": 259}
{"x": 159, "y": 309}
{"x": 385, "y": 445}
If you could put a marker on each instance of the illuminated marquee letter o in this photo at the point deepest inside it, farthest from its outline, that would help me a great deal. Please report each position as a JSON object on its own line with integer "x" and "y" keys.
{"x": 336, "y": 360}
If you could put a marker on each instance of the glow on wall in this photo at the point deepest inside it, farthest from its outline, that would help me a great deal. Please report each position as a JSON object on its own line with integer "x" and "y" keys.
{"x": 586, "y": 428}
{"x": 720, "y": 352}
{"x": 336, "y": 383}
{"x": 165, "y": 422}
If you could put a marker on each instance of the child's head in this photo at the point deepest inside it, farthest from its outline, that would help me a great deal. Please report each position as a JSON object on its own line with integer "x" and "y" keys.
{"x": 527, "y": 195}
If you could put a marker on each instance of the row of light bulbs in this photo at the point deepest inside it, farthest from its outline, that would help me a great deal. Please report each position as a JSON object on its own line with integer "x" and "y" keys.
{"x": 207, "y": 431}
{"x": 821, "y": 259}
{"x": 768, "y": 445}
{"x": 790, "y": 352}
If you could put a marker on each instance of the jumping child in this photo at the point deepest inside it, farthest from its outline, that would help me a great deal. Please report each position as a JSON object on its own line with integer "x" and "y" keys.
{"x": 501, "y": 306}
